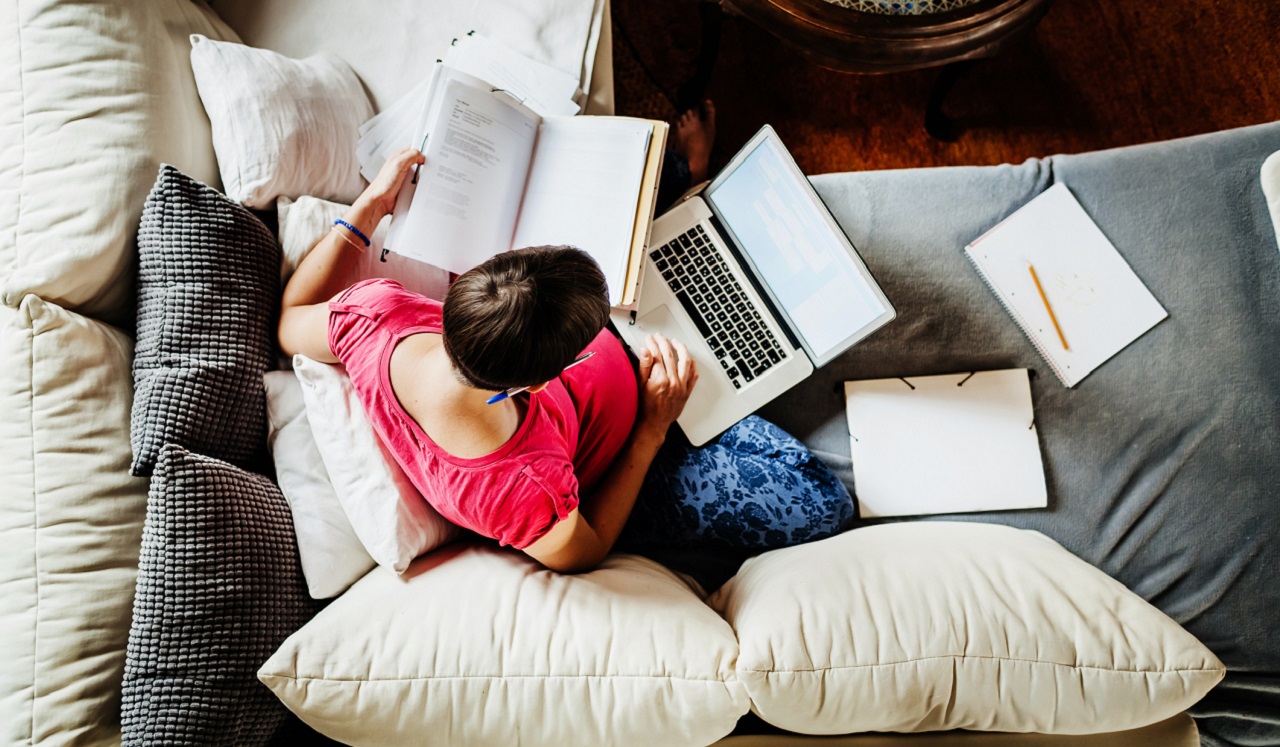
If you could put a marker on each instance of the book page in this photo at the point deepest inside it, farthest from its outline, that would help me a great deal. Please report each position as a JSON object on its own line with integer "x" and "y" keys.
{"x": 583, "y": 189}
{"x": 467, "y": 196}
{"x": 392, "y": 129}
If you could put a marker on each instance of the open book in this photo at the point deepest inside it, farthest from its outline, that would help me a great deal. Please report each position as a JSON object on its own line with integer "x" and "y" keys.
{"x": 498, "y": 176}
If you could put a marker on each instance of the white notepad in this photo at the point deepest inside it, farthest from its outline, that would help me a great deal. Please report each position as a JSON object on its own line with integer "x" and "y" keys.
{"x": 1100, "y": 304}
{"x": 944, "y": 444}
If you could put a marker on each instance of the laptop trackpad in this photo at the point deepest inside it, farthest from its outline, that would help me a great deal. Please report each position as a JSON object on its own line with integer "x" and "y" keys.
{"x": 660, "y": 320}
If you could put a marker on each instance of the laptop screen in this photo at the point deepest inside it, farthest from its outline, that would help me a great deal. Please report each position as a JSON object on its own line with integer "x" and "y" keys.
{"x": 797, "y": 250}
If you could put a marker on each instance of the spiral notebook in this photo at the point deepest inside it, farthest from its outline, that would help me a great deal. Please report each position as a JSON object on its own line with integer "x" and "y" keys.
{"x": 1064, "y": 284}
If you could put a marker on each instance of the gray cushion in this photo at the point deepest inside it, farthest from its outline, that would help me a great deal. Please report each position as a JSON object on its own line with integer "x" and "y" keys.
{"x": 219, "y": 589}
{"x": 208, "y": 292}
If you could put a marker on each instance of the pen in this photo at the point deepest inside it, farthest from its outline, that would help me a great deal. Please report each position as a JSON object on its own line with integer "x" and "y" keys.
{"x": 517, "y": 389}
{"x": 421, "y": 149}
{"x": 1052, "y": 317}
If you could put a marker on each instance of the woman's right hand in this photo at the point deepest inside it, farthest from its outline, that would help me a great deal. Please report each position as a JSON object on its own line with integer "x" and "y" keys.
{"x": 381, "y": 194}
{"x": 667, "y": 375}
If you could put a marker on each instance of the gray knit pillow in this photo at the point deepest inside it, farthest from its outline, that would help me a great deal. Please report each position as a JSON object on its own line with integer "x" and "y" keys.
{"x": 208, "y": 294}
{"x": 219, "y": 589}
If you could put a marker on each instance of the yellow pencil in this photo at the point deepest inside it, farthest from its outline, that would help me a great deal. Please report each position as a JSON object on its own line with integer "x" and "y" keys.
{"x": 1053, "y": 318}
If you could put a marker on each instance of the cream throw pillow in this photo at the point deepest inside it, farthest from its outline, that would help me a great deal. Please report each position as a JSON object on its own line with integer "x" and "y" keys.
{"x": 281, "y": 126}
{"x": 937, "y": 625}
{"x": 70, "y": 525}
{"x": 477, "y": 645}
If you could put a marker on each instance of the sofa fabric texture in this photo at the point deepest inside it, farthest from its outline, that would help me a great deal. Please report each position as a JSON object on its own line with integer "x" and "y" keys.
{"x": 219, "y": 588}
{"x": 208, "y": 299}
{"x": 94, "y": 97}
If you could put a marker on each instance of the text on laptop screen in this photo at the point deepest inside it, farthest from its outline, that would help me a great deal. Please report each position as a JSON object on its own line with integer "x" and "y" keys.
{"x": 774, "y": 218}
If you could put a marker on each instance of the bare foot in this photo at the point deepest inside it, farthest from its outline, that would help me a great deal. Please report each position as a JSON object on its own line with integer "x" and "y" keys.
{"x": 695, "y": 133}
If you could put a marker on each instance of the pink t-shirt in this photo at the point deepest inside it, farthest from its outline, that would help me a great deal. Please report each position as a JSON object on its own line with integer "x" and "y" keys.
{"x": 570, "y": 434}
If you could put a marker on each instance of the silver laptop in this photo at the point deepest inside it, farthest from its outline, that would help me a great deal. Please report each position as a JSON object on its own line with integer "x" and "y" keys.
{"x": 755, "y": 277}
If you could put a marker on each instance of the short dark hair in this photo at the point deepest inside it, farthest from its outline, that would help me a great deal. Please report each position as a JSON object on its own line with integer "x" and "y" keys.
{"x": 520, "y": 317}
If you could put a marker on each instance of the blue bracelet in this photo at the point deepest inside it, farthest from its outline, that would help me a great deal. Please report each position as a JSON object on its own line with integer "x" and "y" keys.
{"x": 352, "y": 229}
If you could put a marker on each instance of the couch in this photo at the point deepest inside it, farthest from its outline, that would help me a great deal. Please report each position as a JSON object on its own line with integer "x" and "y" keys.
{"x": 1170, "y": 490}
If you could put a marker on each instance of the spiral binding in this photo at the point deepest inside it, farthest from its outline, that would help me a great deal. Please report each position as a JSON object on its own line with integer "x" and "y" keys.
{"x": 1017, "y": 319}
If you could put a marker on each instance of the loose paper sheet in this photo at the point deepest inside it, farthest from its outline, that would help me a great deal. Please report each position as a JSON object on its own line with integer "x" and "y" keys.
{"x": 944, "y": 444}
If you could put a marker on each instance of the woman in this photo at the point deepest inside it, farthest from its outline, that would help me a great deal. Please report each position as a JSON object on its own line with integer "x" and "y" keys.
{"x": 480, "y": 400}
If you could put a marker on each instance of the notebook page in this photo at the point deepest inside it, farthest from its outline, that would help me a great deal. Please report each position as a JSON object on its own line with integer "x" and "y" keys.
{"x": 944, "y": 444}
{"x": 1100, "y": 304}
{"x": 583, "y": 189}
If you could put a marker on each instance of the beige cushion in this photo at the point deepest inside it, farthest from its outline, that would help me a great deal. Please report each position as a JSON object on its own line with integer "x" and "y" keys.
{"x": 938, "y": 625}
{"x": 70, "y": 525}
{"x": 93, "y": 98}
{"x": 481, "y": 646}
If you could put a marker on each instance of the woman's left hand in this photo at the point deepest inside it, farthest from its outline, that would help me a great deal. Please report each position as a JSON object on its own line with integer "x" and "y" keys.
{"x": 381, "y": 194}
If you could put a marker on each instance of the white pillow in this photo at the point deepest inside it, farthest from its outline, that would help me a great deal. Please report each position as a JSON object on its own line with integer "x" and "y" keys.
{"x": 937, "y": 625}
{"x": 331, "y": 554}
{"x": 306, "y": 221}
{"x": 281, "y": 126}
{"x": 477, "y": 645}
{"x": 392, "y": 519}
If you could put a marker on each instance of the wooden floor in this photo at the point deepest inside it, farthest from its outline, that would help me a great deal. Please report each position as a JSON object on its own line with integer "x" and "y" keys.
{"x": 1095, "y": 74}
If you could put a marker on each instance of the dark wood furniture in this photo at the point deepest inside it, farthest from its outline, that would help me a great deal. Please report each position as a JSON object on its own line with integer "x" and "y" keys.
{"x": 853, "y": 41}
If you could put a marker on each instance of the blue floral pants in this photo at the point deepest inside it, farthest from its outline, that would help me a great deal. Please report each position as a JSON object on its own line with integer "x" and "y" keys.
{"x": 753, "y": 487}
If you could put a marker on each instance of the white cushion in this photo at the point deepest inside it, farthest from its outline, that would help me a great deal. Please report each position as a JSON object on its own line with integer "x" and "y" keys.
{"x": 281, "y": 126}
{"x": 331, "y": 555}
{"x": 70, "y": 525}
{"x": 94, "y": 97}
{"x": 392, "y": 519}
{"x": 305, "y": 221}
{"x": 936, "y": 625}
{"x": 481, "y": 646}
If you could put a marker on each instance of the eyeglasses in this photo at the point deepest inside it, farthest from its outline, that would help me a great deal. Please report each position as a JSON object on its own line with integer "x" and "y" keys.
{"x": 517, "y": 389}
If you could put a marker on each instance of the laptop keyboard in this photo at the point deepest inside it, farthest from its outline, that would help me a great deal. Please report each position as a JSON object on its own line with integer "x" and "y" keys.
{"x": 711, "y": 295}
